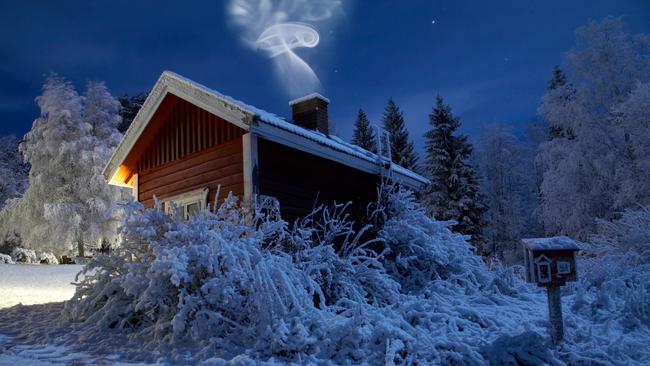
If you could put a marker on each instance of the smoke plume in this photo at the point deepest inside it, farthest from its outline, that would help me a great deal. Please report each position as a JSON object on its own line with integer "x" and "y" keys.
{"x": 279, "y": 28}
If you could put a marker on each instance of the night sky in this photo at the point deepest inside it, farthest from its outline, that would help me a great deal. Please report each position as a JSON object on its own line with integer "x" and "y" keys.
{"x": 489, "y": 59}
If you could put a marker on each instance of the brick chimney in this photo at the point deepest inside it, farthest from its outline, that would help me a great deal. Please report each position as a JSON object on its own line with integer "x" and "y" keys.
{"x": 310, "y": 112}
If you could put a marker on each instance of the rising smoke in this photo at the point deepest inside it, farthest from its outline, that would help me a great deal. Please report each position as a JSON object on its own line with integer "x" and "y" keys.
{"x": 279, "y": 28}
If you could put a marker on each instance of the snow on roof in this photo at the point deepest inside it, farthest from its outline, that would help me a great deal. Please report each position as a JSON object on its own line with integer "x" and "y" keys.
{"x": 308, "y": 97}
{"x": 551, "y": 243}
{"x": 332, "y": 142}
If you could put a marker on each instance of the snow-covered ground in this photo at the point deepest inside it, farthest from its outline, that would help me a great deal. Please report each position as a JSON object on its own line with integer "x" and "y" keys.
{"x": 40, "y": 284}
{"x": 36, "y": 284}
{"x": 15, "y": 354}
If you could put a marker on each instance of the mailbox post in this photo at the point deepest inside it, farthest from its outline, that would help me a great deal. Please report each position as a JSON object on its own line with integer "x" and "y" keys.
{"x": 551, "y": 262}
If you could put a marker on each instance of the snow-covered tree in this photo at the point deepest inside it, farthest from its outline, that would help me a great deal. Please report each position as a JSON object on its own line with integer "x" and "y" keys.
{"x": 402, "y": 149}
{"x": 631, "y": 121}
{"x": 453, "y": 193}
{"x": 584, "y": 167}
{"x": 363, "y": 134}
{"x": 562, "y": 92}
{"x": 130, "y": 106}
{"x": 12, "y": 170}
{"x": 67, "y": 204}
{"x": 504, "y": 164}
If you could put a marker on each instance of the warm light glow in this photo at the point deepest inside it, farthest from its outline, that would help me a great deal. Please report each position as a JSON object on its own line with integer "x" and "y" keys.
{"x": 123, "y": 177}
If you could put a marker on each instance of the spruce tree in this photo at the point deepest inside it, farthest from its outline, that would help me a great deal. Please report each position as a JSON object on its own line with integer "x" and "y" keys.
{"x": 453, "y": 193}
{"x": 363, "y": 134}
{"x": 402, "y": 150}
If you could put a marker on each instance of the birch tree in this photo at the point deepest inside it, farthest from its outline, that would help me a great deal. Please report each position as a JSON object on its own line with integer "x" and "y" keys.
{"x": 597, "y": 170}
{"x": 67, "y": 205}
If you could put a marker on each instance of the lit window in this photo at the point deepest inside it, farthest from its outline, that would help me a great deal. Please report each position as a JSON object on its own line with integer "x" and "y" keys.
{"x": 187, "y": 204}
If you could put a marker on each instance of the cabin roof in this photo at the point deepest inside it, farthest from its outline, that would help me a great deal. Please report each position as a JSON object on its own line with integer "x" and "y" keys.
{"x": 250, "y": 118}
{"x": 551, "y": 243}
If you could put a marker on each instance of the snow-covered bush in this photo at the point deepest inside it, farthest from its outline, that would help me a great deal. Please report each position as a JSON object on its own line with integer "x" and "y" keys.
{"x": 325, "y": 246}
{"x": 29, "y": 256}
{"x": 8, "y": 240}
{"x": 628, "y": 236}
{"x": 234, "y": 285}
{"x": 616, "y": 271}
{"x": 528, "y": 348}
{"x": 47, "y": 258}
{"x": 242, "y": 284}
{"x": 22, "y": 255}
{"x": 421, "y": 250}
{"x": 6, "y": 259}
{"x": 206, "y": 280}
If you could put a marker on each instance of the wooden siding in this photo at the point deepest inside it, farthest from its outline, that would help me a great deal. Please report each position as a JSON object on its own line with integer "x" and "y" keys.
{"x": 188, "y": 149}
{"x": 187, "y": 130}
{"x": 300, "y": 181}
{"x": 222, "y": 164}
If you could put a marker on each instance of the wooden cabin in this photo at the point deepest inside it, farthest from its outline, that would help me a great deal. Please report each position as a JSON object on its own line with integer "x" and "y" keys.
{"x": 187, "y": 140}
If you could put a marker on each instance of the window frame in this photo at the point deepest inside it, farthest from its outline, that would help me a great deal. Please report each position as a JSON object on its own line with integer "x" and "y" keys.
{"x": 563, "y": 267}
{"x": 183, "y": 200}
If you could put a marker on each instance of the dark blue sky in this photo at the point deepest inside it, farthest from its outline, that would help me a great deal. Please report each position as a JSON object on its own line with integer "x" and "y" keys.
{"x": 489, "y": 59}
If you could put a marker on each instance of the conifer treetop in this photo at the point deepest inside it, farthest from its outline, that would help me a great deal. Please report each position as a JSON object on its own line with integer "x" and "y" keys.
{"x": 363, "y": 135}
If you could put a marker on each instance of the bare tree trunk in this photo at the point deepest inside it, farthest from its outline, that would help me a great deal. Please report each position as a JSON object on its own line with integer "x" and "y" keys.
{"x": 80, "y": 247}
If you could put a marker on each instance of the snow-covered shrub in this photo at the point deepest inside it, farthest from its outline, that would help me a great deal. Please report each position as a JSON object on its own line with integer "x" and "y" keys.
{"x": 628, "y": 236}
{"x": 29, "y": 256}
{"x": 637, "y": 305}
{"x": 47, "y": 258}
{"x": 8, "y": 240}
{"x": 616, "y": 272}
{"x": 241, "y": 282}
{"x": 420, "y": 250}
{"x": 22, "y": 255}
{"x": 6, "y": 259}
{"x": 527, "y": 348}
{"x": 325, "y": 246}
{"x": 206, "y": 280}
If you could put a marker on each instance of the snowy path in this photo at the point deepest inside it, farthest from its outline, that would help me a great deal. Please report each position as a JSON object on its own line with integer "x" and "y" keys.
{"x": 48, "y": 355}
{"x": 15, "y": 354}
{"x": 36, "y": 284}
{"x": 39, "y": 284}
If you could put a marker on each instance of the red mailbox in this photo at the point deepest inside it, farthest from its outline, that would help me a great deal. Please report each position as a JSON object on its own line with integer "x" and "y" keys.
{"x": 550, "y": 261}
